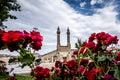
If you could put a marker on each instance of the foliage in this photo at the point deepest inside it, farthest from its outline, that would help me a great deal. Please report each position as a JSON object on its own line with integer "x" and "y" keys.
{"x": 2, "y": 68}
{"x": 22, "y": 42}
{"x": 18, "y": 77}
{"x": 6, "y": 6}
{"x": 40, "y": 72}
{"x": 94, "y": 61}
{"x": 11, "y": 78}
{"x": 12, "y": 59}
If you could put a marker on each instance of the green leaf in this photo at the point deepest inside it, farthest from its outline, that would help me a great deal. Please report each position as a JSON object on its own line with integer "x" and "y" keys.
{"x": 113, "y": 68}
{"x": 23, "y": 65}
{"x": 76, "y": 45}
{"x": 109, "y": 58}
{"x": 80, "y": 42}
{"x": 27, "y": 57}
{"x": 11, "y": 60}
{"x": 38, "y": 60}
{"x": 102, "y": 58}
{"x": 104, "y": 47}
{"x": 80, "y": 55}
{"x": 114, "y": 54}
{"x": 20, "y": 57}
{"x": 117, "y": 73}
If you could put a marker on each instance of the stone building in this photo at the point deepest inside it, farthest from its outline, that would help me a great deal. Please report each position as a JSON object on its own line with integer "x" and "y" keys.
{"x": 62, "y": 53}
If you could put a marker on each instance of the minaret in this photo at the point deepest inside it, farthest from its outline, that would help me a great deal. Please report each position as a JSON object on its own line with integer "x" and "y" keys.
{"x": 68, "y": 38}
{"x": 58, "y": 37}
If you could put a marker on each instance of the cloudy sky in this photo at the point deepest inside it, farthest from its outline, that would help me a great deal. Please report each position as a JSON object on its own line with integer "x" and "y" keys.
{"x": 83, "y": 17}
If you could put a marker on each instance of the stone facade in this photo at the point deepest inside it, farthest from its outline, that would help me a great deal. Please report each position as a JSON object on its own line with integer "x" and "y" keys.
{"x": 62, "y": 53}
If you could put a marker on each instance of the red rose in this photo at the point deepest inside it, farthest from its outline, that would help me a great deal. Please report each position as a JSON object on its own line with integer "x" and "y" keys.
{"x": 46, "y": 73}
{"x": 105, "y": 36}
{"x": 99, "y": 35}
{"x": 90, "y": 45}
{"x": 37, "y": 45}
{"x": 11, "y": 78}
{"x": 81, "y": 69}
{"x": 12, "y": 39}
{"x": 72, "y": 72}
{"x": 36, "y": 40}
{"x": 36, "y": 36}
{"x": 40, "y": 73}
{"x": 27, "y": 38}
{"x": 75, "y": 52}
{"x": 57, "y": 71}
{"x": 91, "y": 74}
{"x": 115, "y": 40}
{"x": 82, "y": 50}
{"x": 72, "y": 64}
{"x": 66, "y": 73}
{"x": 58, "y": 64}
{"x": 92, "y": 37}
{"x": 118, "y": 54}
{"x": 12, "y": 36}
{"x": 84, "y": 61}
{"x": 108, "y": 77}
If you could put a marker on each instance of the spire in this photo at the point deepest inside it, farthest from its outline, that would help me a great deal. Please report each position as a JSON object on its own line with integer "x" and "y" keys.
{"x": 58, "y": 37}
{"x": 68, "y": 31}
{"x": 58, "y": 30}
{"x": 68, "y": 38}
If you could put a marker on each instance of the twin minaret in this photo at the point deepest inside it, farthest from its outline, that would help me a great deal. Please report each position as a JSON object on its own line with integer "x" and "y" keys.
{"x": 58, "y": 38}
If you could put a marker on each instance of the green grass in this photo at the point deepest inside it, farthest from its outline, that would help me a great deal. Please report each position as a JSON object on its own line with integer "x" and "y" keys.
{"x": 3, "y": 77}
{"x": 19, "y": 77}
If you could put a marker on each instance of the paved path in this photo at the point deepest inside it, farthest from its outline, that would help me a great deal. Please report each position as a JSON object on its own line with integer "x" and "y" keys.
{"x": 19, "y": 70}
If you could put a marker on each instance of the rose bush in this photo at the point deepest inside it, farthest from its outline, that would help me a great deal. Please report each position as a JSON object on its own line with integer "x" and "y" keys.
{"x": 17, "y": 40}
{"x": 25, "y": 43}
{"x": 95, "y": 61}
{"x": 11, "y": 78}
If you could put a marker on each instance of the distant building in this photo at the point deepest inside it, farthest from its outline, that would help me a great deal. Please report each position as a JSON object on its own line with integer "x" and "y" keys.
{"x": 62, "y": 53}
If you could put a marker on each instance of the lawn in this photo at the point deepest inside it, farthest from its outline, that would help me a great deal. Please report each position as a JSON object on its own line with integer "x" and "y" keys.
{"x": 19, "y": 77}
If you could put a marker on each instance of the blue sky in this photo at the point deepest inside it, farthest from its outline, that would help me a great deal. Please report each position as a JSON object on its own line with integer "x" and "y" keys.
{"x": 83, "y": 17}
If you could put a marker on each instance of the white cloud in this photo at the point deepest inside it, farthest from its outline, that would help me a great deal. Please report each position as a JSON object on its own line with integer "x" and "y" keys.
{"x": 96, "y": 1}
{"x": 93, "y": 2}
{"x": 82, "y": 4}
{"x": 46, "y": 15}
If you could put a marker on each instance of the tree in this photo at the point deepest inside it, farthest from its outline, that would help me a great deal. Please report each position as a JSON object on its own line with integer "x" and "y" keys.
{"x": 5, "y": 7}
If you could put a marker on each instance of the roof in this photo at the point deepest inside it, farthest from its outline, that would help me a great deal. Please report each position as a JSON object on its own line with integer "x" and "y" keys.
{"x": 49, "y": 52}
{"x": 55, "y": 51}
